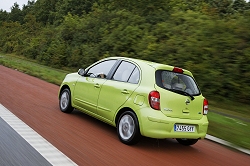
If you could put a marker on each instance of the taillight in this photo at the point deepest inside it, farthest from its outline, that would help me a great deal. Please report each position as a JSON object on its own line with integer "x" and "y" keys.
{"x": 178, "y": 70}
{"x": 154, "y": 100}
{"x": 205, "y": 107}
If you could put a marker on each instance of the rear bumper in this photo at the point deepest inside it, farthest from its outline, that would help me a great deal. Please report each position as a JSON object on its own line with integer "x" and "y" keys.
{"x": 155, "y": 124}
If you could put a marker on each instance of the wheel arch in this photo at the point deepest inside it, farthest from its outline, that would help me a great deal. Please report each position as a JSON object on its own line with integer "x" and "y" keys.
{"x": 136, "y": 135}
{"x": 62, "y": 88}
{"x": 122, "y": 110}
{"x": 65, "y": 102}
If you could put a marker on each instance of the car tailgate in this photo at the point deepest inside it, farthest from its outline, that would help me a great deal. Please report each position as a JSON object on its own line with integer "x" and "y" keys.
{"x": 177, "y": 105}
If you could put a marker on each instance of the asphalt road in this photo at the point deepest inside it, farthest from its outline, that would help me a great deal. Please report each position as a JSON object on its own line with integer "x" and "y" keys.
{"x": 15, "y": 150}
{"x": 85, "y": 140}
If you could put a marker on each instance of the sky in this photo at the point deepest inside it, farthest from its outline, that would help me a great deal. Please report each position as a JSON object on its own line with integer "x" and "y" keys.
{"x": 7, "y": 4}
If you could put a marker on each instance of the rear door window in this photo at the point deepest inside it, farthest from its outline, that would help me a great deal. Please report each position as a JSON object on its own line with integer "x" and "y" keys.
{"x": 135, "y": 76}
{"x": 127, "y": 72}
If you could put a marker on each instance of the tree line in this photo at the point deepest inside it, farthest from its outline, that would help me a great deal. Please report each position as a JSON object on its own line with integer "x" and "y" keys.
{"x": 211, "y": 38}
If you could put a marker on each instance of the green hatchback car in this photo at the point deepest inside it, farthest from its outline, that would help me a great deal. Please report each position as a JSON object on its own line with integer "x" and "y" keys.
{"x": 139, "y": 98}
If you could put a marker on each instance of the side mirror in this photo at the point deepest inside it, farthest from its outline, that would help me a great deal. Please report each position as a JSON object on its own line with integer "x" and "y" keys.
{"x": 81, "y": 72}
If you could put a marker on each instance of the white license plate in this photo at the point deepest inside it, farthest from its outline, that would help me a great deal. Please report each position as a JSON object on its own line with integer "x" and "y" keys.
{"x": 184, "y": 128}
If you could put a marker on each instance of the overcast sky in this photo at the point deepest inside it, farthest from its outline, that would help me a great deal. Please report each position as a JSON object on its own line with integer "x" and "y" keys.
{"x": 7, "y": 4}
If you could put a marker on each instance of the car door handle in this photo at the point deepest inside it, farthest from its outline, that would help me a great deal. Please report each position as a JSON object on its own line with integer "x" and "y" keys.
{"x": 125, "y": 91}
{"x": 97, "y": 86}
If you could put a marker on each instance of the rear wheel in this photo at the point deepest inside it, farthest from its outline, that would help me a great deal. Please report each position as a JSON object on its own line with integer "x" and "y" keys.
{"x": 186, "y": 142}
{"x": 65, "y": 101}
{"x": 128, "y": 128}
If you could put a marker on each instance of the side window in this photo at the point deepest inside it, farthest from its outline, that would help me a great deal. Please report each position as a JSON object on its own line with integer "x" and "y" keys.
{"x": 102, "y": 69}
{"x": 127, "y": 72}
{"x": 134, "y": 78}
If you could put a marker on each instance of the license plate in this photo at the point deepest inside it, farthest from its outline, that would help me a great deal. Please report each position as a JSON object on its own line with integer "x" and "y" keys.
{"x": 184, "y": 128}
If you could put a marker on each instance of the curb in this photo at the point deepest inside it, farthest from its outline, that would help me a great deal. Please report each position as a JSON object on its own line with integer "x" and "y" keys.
{"x": 220, "y": 141}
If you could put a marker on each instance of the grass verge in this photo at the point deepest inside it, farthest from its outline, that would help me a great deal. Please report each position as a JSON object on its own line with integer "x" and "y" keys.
{"x": 229, "y": 128}
{"x": 228, "y": 120}
{"x": 29, "y": 67}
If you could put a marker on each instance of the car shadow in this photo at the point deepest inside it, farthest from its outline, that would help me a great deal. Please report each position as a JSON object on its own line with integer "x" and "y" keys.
{"x": 94, "y": 122}
{"x": 145, "y": 144}
{"x": 167, "y": 145}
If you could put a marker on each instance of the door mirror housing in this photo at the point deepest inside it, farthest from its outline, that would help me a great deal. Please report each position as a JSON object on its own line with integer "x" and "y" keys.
{"x": 81, "y": 72}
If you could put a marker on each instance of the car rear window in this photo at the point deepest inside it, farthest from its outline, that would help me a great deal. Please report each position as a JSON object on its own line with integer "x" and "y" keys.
{"x": 176, "y": 82}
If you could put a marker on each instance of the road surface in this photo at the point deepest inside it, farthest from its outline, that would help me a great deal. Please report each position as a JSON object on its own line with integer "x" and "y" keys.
{"x": 87, "y": 141}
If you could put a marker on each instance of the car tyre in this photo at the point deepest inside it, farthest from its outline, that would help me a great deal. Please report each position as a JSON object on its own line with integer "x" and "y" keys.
{"x": 128, "y": 128}
{"x": 187, "y": 142}
{"x": 65, "y": 101}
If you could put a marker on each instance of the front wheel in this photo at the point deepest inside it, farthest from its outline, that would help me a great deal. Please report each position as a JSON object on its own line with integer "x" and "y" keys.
{"x": 128, "y": 128}
{"x": 65, "y": 101}
{"x": 186, "y": 142}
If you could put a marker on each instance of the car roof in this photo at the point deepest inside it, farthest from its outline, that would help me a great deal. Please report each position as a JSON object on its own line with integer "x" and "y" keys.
{"x": 153, "y": 64}
{"x": 156, "y": 66}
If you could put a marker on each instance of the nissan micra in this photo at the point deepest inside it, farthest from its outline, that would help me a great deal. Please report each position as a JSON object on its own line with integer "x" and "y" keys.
{"x": 139, "y": 98}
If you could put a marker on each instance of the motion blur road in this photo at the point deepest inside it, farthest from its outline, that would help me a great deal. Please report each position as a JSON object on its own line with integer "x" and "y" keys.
{"x": 87, "y": 141}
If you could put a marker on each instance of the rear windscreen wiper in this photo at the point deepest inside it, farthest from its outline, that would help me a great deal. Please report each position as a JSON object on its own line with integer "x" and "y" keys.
{"x": 183, "y": 93}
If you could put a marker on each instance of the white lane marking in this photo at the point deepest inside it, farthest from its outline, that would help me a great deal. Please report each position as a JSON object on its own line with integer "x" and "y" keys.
{"x": 242, "y": 123}
{"x": 220, "y": 141}
{"x": 239, "y": 122}
{"x": 46, "y": 149}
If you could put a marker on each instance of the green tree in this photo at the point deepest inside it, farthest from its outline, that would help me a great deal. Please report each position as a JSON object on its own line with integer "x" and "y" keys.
{"x": 10, "y": 36}
{"x": 222, "y": 7}
{"x": 209, "y": 37}
{"x": 44, "y": 11}
{"x": 4, "y": 16}
{"x": 239, "y": 5}
{"x": 16, "y": 14}
{"x": 28, "y": 8}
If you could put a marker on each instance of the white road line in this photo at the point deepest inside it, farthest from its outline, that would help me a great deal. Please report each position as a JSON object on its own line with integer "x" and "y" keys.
{"x": 220, "y": 141}
{"x": 46, "y": 149}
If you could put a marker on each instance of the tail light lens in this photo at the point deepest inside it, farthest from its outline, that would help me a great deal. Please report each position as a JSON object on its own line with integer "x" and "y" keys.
{"x": 178, "y": 70}
{"x": 205, "y": 107}
{"x": 154, "y": 100}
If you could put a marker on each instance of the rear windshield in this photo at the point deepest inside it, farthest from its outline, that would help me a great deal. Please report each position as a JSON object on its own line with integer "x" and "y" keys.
{"x": 176, "y": 82}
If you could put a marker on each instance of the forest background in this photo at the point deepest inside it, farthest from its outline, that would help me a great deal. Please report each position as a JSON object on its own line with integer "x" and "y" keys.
{"x": 211, "y": 38}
